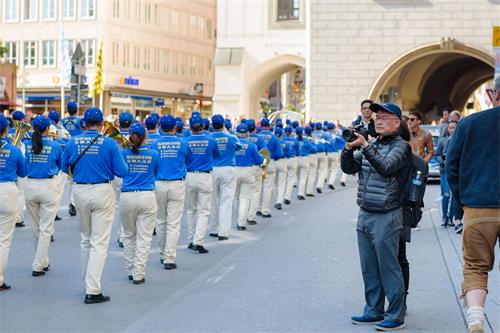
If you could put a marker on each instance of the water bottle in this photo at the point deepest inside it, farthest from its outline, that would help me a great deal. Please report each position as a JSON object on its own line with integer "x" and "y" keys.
{"x": 417, "y": 180}
{"x": 414, "y": 190}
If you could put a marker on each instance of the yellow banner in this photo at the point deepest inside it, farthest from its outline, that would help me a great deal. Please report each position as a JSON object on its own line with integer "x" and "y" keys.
{"x": 496, "y": 36}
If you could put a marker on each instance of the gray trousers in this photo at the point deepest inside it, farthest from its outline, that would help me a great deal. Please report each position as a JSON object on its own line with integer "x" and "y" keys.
{"x": 378, "y": 242}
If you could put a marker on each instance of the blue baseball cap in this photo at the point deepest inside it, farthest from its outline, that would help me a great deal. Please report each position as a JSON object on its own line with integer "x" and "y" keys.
{"x": 196, "y": 113}
{"x": 288, "y": 122}
{"x": 206, "y": 123}
{"x": 325, "y": 128}
{"x": 40, "y": 123}
{"x": 151, "y": 122}
{"x": 299, "y": 130}
{"x": 242, "y": 128}
{"x": 308, "y": 130}
{"x": 4, "y": 123}
{"x": 279, "y": 121}
{"x": 217, "y": 121}
{"x": 18, "y": 115}
{"x": 82, "y": 123}
{"x": 295, "y": 124}
{"x": 126, "y": 119}
{"x": 155, "y": 115}
{"x": 278, "y": 131}
{"x": 250, "y": 124}
{"x": 264, "y": 122}
{"x": 195, "y": 121}
{"x": 288, "y": 129}
{"x": 279, "y": 125}
{"x": 168, "y": 122}
{"x": 137, "y": 128}
{"x": 180, "y": 125}
{"x": 178, "y": 119}
{"x": 54, "y": 116}
{"x": 387, "y": 107}
{"x": 72, "y": 107}
{"x": 228, "y": 124}
{"x": 318, "y": 125}
{"x": 331, "y": 126}
{"x": 93, "y": 114}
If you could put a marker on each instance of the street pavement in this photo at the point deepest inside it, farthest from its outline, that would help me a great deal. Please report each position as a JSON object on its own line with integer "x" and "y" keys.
{"x": 296, "y": 272}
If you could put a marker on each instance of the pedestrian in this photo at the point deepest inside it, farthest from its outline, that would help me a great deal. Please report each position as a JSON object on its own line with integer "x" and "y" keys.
{"x": 383, "y": 167}
{"x": 444, "y": 124}
{"x": 281, "y": 168}
{"x": 43, "y": 157}
{"x": 472, "y": 172}
{"x": 291, "y": 175}
{"x": 12, "y": 165}
{"x": 138, "y": 203}
{"x": 61, "y": 136}
{"x": 305, "y": 150}
{"x": 93, "y": 161}
{"x": 421, "y": 140}
{"x": 199, "y": 182}
{"x": 259, "y": 142}
{"x": 174, "y": 155}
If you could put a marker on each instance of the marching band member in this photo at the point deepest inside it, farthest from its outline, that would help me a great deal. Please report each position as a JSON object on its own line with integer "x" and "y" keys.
{"x": 281, "y": 168}
{"x": 313, "y": 162}
{"x": 174, "y": 155}
{"x": 291, "y": 175}
{"x": 151, "y": 123}
{"x": 179, "y": 127}
{"x": 12, "y": 165}
{"x": 333, "y": 148}
{"x": 305, "y": 150}
{"x": 43, "y": 157}
{"x": 137, "y": 203}
{"x": 320, "y": 140}
{"x": 259, "y": 142}
{"x": 247, "y": 159}
{"x": 199, "y": 182}
{"x": 19, "y": 116}
{"x": 223, "y": 180}
{"x": 94, "y": 161}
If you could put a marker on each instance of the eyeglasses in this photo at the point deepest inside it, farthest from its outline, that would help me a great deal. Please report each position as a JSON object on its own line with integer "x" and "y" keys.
{"x": 412, "y": 119}
{"x": 377, "y": 118}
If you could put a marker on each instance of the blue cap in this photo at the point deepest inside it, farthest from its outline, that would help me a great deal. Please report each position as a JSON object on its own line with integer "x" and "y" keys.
{"x": 264, "y": 122}
{"x": 288, "y": 129}
{"x": 325, "y": 123}
{"x": 72, "y": 107}
{"x": 206, "y": 123}
{"x": 168, "y": 122}
{"x": 196, "y": 113}
{"x": 299, "y": 130}
{"x": 137, "y": 128}
{"x": 331, "y": 126}
{"x": 82, "y": 123}
{"x": 279, "y": 125}
{"x": 279, "y": 121}
{"x": 228, "y": 124}
{"x": 155, "y": 115}
{"x": 151, "y": 122}
{"x": 308, "y": 130}
{"x": 278, "y": 131}
{"x": 387, "y": 107}
{"x": 242, "y": 128}
{"x": 126, "y": 119}
{"x": 17, "y": 115}
{"x": 4, "y": 123}
{"x": 251, "y": 124}
{"x": 40, "y": 123}
{"x": 325, "y": 128}
{"x": 180, "y": 125}
{"x": 93, "y": 114}
{"x": 178, "y": 119}
{"x": 195, "y": 121}
{"x": 54, "y": 116}
{"x": 295, "y": 124}
{"x": 217, "y": 121}
{"x": 318, "y": 125}
{"x": 288, "y": 122}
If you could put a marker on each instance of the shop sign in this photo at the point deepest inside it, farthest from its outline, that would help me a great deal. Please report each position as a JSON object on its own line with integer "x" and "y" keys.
{"x": 129, "y": 81}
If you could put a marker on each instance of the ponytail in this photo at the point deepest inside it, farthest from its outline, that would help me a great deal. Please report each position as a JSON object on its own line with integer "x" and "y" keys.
{"x": 37, "y": 141}
{"x": 136, "y": 141}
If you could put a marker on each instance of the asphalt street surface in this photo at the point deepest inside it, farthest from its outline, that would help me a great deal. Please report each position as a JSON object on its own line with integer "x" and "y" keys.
{"x": 297, "y": 271}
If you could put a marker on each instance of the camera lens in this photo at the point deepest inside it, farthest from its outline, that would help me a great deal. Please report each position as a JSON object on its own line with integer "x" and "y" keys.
{"x": 348, "y": 135}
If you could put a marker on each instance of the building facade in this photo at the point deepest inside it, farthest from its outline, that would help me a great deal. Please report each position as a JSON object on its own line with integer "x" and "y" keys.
{"x": 154, "y": 52}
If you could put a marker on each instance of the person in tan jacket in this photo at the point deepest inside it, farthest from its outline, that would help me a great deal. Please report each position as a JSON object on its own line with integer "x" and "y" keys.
{"x": 421, "y": 140}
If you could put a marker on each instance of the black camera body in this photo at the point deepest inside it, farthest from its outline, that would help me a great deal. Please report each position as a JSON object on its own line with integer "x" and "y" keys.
{"x": 348, "y": 133}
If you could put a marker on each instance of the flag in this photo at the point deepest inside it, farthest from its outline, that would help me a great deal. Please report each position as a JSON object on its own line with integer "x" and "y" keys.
{"x": 98, "y": 81}
{"x": 64, "y": 61}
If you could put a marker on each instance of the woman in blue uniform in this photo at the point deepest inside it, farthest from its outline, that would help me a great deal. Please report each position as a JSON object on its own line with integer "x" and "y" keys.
{"x": 43, "y": 157}
{"x": 138, "y": 203}
{"x": 12, "y": 165}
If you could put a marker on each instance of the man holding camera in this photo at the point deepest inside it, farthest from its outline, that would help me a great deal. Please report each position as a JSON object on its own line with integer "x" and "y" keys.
{"x": 383, "y": 166}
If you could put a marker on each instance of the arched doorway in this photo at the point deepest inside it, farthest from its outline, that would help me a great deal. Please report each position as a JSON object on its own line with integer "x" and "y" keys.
{"x": 262, "y": 76}
{"x": 433, "y": 77}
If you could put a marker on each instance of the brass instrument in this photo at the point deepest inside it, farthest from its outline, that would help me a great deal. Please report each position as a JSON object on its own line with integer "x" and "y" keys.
{"x": 267, "y": 159}
{"x": 112, "y": 132}
{"x": 58, "y": 132}
{"x": 21, "y": 130}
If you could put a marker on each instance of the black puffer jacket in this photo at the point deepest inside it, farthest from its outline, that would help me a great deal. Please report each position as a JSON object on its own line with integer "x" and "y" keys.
{"x": 384, "y": 167}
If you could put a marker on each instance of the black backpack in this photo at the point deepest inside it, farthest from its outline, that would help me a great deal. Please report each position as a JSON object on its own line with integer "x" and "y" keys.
{"x": 413, "y": 198}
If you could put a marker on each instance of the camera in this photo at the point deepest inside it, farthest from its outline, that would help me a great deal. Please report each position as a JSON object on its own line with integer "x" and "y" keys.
{"x": 348, "y": 133}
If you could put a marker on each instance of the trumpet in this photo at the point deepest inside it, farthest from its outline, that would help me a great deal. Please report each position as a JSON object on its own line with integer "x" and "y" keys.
{"x": 21, "y": 130}
{"x": 267, "y": 159}
{"x": 109, "y": 130}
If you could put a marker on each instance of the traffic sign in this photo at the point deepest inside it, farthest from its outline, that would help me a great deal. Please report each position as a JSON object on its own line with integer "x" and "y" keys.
{"x": 78, "y": 54}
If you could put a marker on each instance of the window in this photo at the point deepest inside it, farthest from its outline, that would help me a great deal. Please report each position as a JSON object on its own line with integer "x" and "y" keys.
{"x": 30, "y": 10}
{"x": 200, "y": 66}
{"x": 88, "y": 47}
{"x": 209, "y": 69}
{"x": 87, "y": 8}
{"x": 114, "y": 53}
{"x": 68, "y": 10}
{"x": 147, "y": 13}
{"x": 49, "y": 10}
{"x": 166, "y": 59}
{"x": 156, "y": 60}
{"x": 126, "y": 55}
{"x": 288, "y": 10}
{"x": 116, "y": 8}
{"x": 137, "y": 55}
{"x": 192, "y": 25}
{"x": 147, "y": 59}
{"x": 175, "y": 21}
{"x": 209, "y": 29}
{"x": 175, "y": 63}
{"x": 11, "y": 11}
{"x": 138, "y": 11}
{"x": 126, "y": 9}
{"x": 192, "y": 68}
{"x": 11, "y": 54}
{"x": 184, "y": 64}
{"x": 29, "y": 53}
{"x": 71, "y": 46}
{"x": 48, "y": 53}
{"x": 157, "y": 15}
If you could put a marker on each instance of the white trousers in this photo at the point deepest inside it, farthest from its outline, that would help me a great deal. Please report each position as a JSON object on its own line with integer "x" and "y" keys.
{"x": 117, "y": 187}
{"x": 267, "y": 188}
{"x": 199, "y": 195}
{"x": 303, "y": 172}
{"x": 20, "y": 199}
{"x": 280, "y": 175}
{"x": 291, "y": 177}
{"x": 245, "y": 189}
{"x": 42, "y": 203}
{"x": 322, "y": 170}
{"x": 224, "y": 186}
{"x": 96, "y": 209}
{"x": 61, "y": 179}
{"x": 254, "y": 203}
{"x": 311, "y": 177}
{"x": 343, "y": 178}
{"x": 333, "y": 167}
{"x": 70, "y": 186}
{"x": 8, "y": 218}
{"x": 170, "y": 200}
{"x": 138, "y": 215}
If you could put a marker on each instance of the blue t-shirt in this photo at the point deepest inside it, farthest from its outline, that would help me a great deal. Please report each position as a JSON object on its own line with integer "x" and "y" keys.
{"x": 204, "y": 150}
{"x": 272, "y": 144}
{"x": 142, "y": 169}
{"x": 102, "y": 161}
{"x": 257, "y": 140}
{"x": 285, "y": 148}
{"x": 12, "y": 162}
{"x": 312, "y": 148}
{"x": 248, "y": 154}
{"x": 294, "y": 145}
{"x": 47, "y": 163}
{"x": 227, "y": 144}
{"x": 152, "y": 137}
{"x": 174, "y": 156}
{"x": 304, "y": 147}
{"x": 72, "y": 125}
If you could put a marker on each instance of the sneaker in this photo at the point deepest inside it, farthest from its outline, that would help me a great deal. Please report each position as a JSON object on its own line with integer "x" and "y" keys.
{"x": 365, "y": 320}
{"x": 390, "y": 325}
{"x": 444, "y": 222}
{"x": 342, "y": 184}
{"x": 72, "y": 210}
{"x": 287, "y": 202}
{"x": 459, "y": 228}
{"x": 331, "y": 187}
{"x": 476, "y": 328}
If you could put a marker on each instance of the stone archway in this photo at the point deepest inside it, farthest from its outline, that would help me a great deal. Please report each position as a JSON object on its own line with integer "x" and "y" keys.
{"x": 261, "y": 76}
{"x": 435, "y": 76}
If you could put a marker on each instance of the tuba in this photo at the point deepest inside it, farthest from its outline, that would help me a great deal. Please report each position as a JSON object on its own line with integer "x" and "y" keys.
{"x": 267, "y": 159}
{"x": 109, "y": 130}
{"x": 21, "y": 130}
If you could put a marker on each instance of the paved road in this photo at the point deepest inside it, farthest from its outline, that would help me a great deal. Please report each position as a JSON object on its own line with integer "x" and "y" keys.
{"x": 298, "y": 271}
